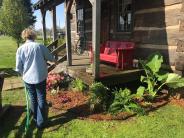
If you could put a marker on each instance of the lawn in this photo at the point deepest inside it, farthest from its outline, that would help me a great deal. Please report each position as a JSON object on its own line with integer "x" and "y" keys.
{"x": 8, "y": 49}
{"x": 166, "y": 122}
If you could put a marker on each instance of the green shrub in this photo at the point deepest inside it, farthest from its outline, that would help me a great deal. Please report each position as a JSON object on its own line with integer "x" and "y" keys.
{"x": 155, "y": 79}
{"x": 78, "y": 85}
{"x": 123, "y": 101}
{"x": 99, "y": 97}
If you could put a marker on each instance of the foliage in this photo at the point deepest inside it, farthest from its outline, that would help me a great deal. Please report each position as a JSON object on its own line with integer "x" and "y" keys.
{"x": 155, "y": 78}
{"x": 123, "y": 101}
{"x": 15, "y": 16}
{"x": 61, "y": 41}
{"x": 28, "y": 6}
{"x": 99, "y": 97}
{"x": 78, "y": 85}
{"x": 47, "y": 42}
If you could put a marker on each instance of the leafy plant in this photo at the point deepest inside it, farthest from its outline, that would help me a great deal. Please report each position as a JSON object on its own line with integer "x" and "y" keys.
{"x": 123, "y": 101}
{"x": 99, "y": 97}
{"x": 78, "y": 85}
{"x": 155, "y": 79}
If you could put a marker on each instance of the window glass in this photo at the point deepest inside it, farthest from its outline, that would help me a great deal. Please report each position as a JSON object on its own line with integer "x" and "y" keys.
{"x": 124, "y": 15}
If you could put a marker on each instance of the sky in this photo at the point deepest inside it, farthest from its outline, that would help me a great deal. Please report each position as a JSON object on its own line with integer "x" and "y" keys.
{"x": 59, "y": 13}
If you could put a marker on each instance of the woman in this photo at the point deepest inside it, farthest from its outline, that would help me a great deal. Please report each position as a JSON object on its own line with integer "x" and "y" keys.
{"x": 31, "y": 60}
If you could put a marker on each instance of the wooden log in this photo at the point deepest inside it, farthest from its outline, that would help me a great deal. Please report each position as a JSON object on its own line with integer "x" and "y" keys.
{"x": 96, "y": 37}
{"x": 146, "y": 4}
{"x": 169, "y": 54}
{"x": 159, "y": 19}
{"x": 158, "y": 36}
{"x": 179, "y": 65}
{"x": 180, "y": 46}
{"x": 181, "y": 73}
{"x": 161, "y": 9}
{"x": 181, "y": 25}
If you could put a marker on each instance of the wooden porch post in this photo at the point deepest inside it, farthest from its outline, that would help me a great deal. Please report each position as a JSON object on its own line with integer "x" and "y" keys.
{"x": 43, "y": 12}
{"x": 96, "y": 37}
{"x": 54, "y": 27}
{"x": 68, "y": 34}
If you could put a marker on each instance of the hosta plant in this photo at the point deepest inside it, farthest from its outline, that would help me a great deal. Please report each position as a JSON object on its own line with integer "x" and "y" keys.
{"x": 123, "y": 101}
{"x": 154, "y": 78}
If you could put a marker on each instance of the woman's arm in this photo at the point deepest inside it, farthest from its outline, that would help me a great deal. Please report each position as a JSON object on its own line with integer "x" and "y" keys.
{"x": 19, "y": 65}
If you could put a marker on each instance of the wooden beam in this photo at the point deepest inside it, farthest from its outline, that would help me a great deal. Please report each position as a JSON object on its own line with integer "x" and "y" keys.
{"x": 69, "y": 5}
{"x": 96, "y": 37}
{"x": 92, "y": 2}
{"x": 54, "y": 28}
{"x": 43, "y": 13}
{"x": 68, "y": 35}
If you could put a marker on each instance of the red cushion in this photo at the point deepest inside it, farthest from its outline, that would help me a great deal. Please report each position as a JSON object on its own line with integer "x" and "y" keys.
{"x": 108, "y": 58}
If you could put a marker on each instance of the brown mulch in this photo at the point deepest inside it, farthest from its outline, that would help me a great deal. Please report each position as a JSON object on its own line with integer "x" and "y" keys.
{"x": 73, "y": 99}
{"x": 77, "y": 104}
{"x": 178, "y": 97}
{"x": 179, "y": 102}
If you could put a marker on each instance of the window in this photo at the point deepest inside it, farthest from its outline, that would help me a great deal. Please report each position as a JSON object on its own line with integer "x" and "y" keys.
{"x": 80, "y": 20}
{"x": 124, "y": 15}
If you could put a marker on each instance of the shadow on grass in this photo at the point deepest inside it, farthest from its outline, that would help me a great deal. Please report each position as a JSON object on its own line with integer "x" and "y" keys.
{"x": 9, "y": 72}
{"x": 13, "y": 124}
{"x": 59, "y": 120}
{"x": 9, "y": 120}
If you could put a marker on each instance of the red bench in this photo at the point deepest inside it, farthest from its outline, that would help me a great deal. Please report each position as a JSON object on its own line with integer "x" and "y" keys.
{"x": 117, "y": 52}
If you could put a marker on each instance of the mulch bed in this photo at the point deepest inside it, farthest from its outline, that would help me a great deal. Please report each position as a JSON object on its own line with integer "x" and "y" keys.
{"x": 77, "y": 104}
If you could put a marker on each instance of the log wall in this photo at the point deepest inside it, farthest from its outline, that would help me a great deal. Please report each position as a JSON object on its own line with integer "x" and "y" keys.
{"x": 157, "y": 26}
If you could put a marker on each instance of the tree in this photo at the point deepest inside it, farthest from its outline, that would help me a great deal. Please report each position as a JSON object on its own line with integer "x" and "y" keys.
{"x": 28, "y": 5}
{"x": 15, "y": 16}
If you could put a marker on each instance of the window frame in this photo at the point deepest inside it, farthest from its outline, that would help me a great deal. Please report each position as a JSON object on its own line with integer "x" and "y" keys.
{"x": 130, "y": 29}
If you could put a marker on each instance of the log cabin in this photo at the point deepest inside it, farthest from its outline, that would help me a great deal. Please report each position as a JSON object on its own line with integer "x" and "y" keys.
{"x": 156, "y": 25}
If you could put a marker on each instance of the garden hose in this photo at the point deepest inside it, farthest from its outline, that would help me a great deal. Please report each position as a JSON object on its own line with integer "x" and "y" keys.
{"x": 27, "y": 110}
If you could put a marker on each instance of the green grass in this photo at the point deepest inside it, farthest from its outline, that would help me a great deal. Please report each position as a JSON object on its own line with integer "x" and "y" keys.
{"x": 8, "y": 49}
{"x": 166, "y": 122}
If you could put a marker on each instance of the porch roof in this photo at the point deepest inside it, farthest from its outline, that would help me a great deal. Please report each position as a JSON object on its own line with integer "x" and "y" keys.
{"x": 46, "y": 4}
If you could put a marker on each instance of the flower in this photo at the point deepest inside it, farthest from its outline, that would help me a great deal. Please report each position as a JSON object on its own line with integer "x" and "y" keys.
{"x": 53, "y": 80}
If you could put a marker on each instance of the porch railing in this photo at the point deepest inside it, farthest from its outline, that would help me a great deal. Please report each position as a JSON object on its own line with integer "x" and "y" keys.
{"x": 55, "y": 50}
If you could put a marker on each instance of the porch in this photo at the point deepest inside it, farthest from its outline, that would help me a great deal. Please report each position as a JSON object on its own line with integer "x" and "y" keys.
{"x": 95, "y": 34}
{"x": 109, "y": 74}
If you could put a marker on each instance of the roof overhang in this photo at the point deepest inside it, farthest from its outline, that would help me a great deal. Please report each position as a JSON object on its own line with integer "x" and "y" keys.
{"x": 46, "y": 4}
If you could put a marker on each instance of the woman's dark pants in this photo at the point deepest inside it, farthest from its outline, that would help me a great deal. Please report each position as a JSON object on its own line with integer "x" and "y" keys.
{"x": 37, "y": 94}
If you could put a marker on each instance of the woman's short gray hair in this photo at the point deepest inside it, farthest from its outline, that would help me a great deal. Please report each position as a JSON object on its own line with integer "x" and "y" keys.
{"x": 28, "y": 33}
